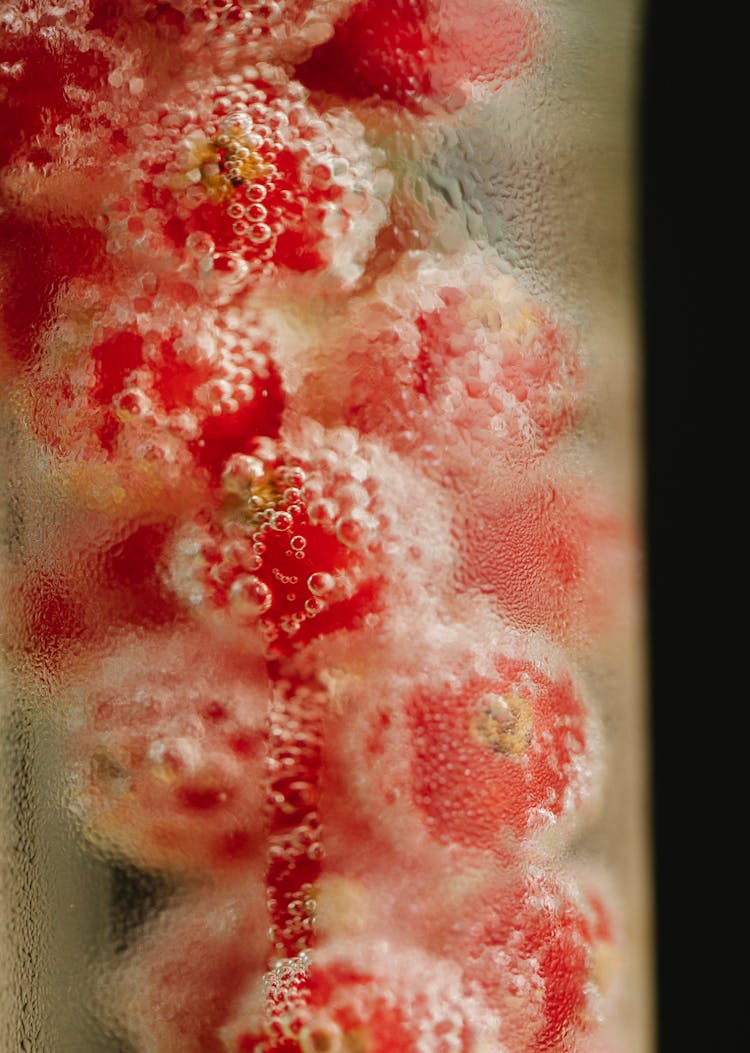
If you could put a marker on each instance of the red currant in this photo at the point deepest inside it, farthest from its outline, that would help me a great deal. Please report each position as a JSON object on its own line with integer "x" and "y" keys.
{"x": 250, "y": 182}
{"x": 551, "y": 555}
{"x": 168, "y": 752}
{"x": 368, "y": 998}
{"x": 180, "y": 982}
{"x": 535, "y": 956}
{"x": 496, "y": 745}
{"x": 449, "y": 357}
{"x": 422, "y": 53}
{"x": 301, "y": 546}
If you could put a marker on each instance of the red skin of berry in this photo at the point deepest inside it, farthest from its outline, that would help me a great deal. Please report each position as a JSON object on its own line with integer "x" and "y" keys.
{"x": 536, "y": 928}
{"x": 421, "y": 53}
{"x": 472, "y": 780}
{"x": 550, "y": 554}
{"x": 324, "y": 554}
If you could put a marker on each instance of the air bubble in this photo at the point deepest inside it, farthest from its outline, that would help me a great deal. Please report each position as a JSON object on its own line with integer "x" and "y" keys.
{"x": 199, "y": 244}
{"x": 292, "y": 475}
{"x": 350, "y": 532}
{"x": 281, "y": 521}
{"x": 298, "y": 542}
{"x": 322, "y": 511}
{"x": 249, "y": 596}
{"x": 321, "y": 583}
{"x": 259, "y": 233}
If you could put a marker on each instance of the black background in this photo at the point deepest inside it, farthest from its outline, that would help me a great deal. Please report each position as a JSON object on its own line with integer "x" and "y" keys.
{"x": 695, "y": 339}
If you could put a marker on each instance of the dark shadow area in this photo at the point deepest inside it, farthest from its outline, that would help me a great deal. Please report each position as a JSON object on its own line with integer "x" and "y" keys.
{"x": 693, "y": 347}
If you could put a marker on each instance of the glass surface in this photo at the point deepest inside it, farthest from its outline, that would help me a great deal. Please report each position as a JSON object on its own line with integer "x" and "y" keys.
{"x": 322, "y": 688}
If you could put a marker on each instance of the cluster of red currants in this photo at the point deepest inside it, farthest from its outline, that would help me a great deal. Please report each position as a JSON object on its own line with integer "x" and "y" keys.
{"x": 309, "y": 552}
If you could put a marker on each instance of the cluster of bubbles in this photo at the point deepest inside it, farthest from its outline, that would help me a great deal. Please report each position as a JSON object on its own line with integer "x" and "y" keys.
{"x": 274, "y": 29}
{"x": 449, "y": 346}
{"x": 249, "y": 180}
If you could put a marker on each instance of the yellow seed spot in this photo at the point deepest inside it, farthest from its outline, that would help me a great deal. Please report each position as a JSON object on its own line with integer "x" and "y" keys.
{"x": 504, "y": 723}
{"x": 226, "y": 163}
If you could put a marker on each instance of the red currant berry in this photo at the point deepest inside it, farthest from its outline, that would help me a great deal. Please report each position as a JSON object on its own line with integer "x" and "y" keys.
{"x": 535, "y": 955}
{"x": 302, "y": 544}
{"x": 168, "y": 752}
{"x": 179, "y": 983}
{"x": 249, "y": 182}
{"x": 551, "y": 555}
{"x": 498, "y": 746}
{"x": 449, "y": 354}
{"x": 366, "y": 997}
{"x": 422, "y": 53}
{"x": 152, "y": 408}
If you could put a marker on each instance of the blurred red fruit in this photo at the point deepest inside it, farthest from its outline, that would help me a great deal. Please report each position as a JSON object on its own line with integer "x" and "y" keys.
{"x": 138, "y": 411}
{"x": 179, "y": 984}
{"x": 422, "y": 53}
{"x": 491, "y": 748}
{"x": 367, "y": 998}
{"x": 536, "y": 956}
{"x": 168, "y": 752}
